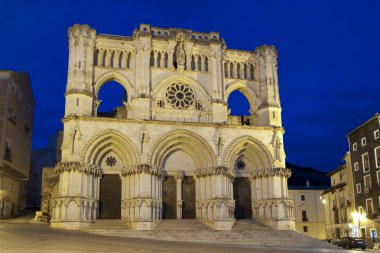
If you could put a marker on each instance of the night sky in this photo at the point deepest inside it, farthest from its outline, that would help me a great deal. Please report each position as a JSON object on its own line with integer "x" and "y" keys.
{"x": 329, "y": 55}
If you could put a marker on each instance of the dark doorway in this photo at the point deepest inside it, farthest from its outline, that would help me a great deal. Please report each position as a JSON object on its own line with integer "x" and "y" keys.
{"x": 169, "y": 200}
{"x": 242, "y": 196}
{"x": 110, "y": 197}
{"x": 188, "y": 197}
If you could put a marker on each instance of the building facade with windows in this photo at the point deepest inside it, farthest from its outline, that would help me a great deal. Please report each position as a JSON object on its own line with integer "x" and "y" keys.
{"x": 364, "y": 143}
{"x": 16, "y": 125}
{"x": 171, "y": 151}
{"x": 309, "y": 210}
{"x": 339, "y": 202}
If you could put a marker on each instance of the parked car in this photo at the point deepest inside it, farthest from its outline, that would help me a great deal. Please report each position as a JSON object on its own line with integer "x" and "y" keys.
{"x": 352, "y": 243}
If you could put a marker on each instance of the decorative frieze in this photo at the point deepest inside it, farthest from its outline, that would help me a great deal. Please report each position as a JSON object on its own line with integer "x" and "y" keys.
{"x": 272, "y": 172}
{"x": 218, "y": 170}
{"x": 80, "y": 167}
{"x": 141, "y": 168}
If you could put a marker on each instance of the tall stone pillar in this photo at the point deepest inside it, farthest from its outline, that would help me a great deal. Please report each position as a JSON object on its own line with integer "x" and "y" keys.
{"x": 179, "y": 178}
{"x": 270, "y": 202}
{"x": 77, "y": 201}
{"x": 216, "y": 204}
{"x": 141, "y": 196}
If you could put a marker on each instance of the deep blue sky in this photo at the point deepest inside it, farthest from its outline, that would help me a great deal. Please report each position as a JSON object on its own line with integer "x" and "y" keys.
{"x": 329, "y": 54}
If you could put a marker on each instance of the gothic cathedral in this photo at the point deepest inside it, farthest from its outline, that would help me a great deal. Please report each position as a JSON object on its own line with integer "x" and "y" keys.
{"x": 171, "y": 150}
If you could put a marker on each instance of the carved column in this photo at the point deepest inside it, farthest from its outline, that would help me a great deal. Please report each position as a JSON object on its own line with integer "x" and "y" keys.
{"x": 162, "y": 59}
{"x": 216, "y": 205}
{"x": 203, "y": 66}
{"x": 269, "y": 192}
{"x": 124, "y": 55}
{"x": 179, "y": 178}
{"x": 101, "y": 57}
{"x": 107, "y": 62}
{"x": 141, "y": 196}
{"x": 77, "y": 190}
{"x": 116, "y": 58}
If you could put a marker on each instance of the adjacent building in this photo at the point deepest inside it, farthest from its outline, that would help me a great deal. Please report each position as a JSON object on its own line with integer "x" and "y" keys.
{"x": 44, "y": 157}
{"x": 16, "y": 126}
{"x": 171, "y": 151}
{"x": 339, "y": 202}
{"x": 364, "y": 144}
{"x": 308, "y": 211}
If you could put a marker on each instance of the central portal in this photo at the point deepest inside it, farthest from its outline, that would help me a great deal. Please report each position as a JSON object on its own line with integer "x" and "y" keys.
{"x": 188, "y": 197}
{"x": 110, "y": 197}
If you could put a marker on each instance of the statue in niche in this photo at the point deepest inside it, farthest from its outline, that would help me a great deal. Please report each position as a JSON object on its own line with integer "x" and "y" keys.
{"x": 180, "y": 52}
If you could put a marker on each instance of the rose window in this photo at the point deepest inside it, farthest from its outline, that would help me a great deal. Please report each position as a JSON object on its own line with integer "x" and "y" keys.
{"x": 180, "y": 96}
{"x": 240, "y": 165}
{"x": 111, "y": 161}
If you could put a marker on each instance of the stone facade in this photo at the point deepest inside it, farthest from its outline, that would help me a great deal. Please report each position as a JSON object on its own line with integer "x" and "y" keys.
{"x": 309, "y": 211}
{"x": 339, "y": 202}
{"x": 364, "y": 146}
{"x": 16, "y": 125}
{"x": 175, "y": 148}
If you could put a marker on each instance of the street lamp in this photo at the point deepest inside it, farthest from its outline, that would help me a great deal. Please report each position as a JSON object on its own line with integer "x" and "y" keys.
{"x": 357, "y": 218}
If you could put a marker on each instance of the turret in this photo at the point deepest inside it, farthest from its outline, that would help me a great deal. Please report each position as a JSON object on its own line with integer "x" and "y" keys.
{"x": 79, "y": 95}
{"x": 270, "y": 108}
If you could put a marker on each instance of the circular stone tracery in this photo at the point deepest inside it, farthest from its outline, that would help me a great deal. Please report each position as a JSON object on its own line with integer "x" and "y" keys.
{"x": 180, "y": 95}
{"x": 111, "y": 161}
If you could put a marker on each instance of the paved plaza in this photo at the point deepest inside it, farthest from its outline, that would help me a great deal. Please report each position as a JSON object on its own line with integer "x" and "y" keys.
{"x": 22, "y": 235}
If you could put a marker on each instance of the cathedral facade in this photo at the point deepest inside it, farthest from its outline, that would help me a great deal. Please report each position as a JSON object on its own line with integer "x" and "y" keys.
{"x": 172, "y": 151}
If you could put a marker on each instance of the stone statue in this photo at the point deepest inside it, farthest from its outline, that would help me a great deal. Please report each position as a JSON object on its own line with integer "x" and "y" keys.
{"x": 180, "y": 50}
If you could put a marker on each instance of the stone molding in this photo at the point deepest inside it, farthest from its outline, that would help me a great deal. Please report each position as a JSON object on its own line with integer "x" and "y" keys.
{"x": 216, "y": 202}
{"x": 139, "y": 201}
{"x": 273, "y": 202}
{"x": 78, "y": 91}
{"x": 218, "y": 170}
{"x": 179, "y": 175}
{"x": 80, "y": 167}
{"x": 141, "y": 168}
{"x": 272, "y": 172}
{"x": 79, "y": 201}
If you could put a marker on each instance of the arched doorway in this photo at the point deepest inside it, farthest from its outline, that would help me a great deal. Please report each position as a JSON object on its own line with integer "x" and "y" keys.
{"x": 246, "y": 155}
{"x": 110, "y": 197}
{"x": 242, "y": 190}
{"x": 110, "y": 186}
{"x": 178, "y": 187}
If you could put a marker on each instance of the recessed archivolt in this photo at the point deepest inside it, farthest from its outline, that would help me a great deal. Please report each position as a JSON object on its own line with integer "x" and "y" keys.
{"x": 109, "y": 141}
{"x": 247, "y": 91}
{"x": 252, "y": 151}
{"x": 200, "y": 92}
{"x": 113, "y": 76}
{"x": 190, "y": 143}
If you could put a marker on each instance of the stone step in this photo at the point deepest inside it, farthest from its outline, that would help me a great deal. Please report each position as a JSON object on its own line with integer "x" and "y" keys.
{"x": 247, "y": 232}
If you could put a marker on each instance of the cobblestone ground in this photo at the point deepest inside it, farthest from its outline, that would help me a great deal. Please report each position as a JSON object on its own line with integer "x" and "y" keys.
{"x": 23, "y": 236}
